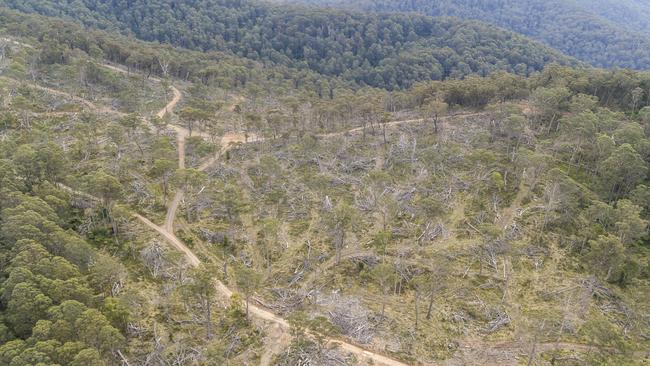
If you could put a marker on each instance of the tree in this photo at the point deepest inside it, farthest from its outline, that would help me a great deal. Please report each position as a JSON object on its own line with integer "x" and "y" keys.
{"x": 629, "y": 225}
{"x": 164, "y": 170}
{"x": 606, "y": 256}
{"x": 107, "y": 274}
{"x": 116, "y": 312}
{"x": 548, "y": 104}
{"x": 132, "y": 123}
{"x": 248, "y": 280}
{"x": 268, "y": 240}
{"x": 420, "y": 284}
{"x": 52, "y": 162}
{"x": 644, "y": 115}
{"x": 27, "y": 304}
{"x": 339, "y": 221}
{"x": 641, "y": 197}
{"x": 189, "y": 180}
{"x": 636, "y": 94}
{"x": 384, "y": 275}
{"x": 583, "y": 103}
{"x": 580, "y": 131}
{"x": 202, "y": 288}
{"x": 192, "y": 116}
{"x": 232, "y": 199}
{"x": 433, "y": 110}
{"x": 96, "y": 331}
{"x": 381, "y": 240}
{"x": 27, "y": 165}
{"x": 88, "y": 357}
{"x": 109, "y": 190}
{"x": 622, "y": 171}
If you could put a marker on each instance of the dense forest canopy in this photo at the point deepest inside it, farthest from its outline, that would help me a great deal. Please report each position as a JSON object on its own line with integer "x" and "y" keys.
{"x": 604, "y": 33}
{"x": 389, "y": 51}
{"x": 630, "y": 14}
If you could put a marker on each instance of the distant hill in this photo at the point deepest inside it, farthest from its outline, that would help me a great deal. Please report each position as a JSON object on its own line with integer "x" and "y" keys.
{"x": 634, "y": 15}
{"x": 389, "y": 51}
{"x": 604, "y": 33}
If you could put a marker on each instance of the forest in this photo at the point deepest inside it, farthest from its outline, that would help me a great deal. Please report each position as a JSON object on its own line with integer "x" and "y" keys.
{"x": 603, "y": 33}
{"x": 216, "y": 205}
{"x": 386, "y": 51}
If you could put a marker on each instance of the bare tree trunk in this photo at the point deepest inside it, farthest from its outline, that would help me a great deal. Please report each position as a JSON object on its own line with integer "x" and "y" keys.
{"x": 531, "y": 356}
{"x": 430, "y": 306}
{"x": 533, "y": 350}
{"x": 247, "y": 303}
{"x": 208, "y": 320}
{"x": 417, "y": 310}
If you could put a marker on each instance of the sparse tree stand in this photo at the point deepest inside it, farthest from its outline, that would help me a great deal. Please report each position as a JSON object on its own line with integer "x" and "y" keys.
{"x": 248, "y": 280}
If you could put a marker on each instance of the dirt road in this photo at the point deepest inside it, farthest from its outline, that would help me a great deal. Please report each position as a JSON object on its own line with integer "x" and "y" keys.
{"x": 279, "y": 323}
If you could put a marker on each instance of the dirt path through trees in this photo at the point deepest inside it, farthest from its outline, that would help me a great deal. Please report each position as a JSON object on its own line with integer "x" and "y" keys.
{"x": 280, "y": 330}
{"x": 167, "y": 232}
{"x": 280, "y": 325}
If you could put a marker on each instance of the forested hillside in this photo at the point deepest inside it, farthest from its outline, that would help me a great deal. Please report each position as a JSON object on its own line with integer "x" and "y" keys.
{"x": 166, "y": 206}
{"x": 604, "y": 33}
{"x": 387, "y": 51}
{"x": 629, "y": 14}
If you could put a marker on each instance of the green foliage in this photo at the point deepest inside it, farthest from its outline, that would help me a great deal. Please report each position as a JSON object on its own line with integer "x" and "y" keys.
{"x": 623, "y": 171}
{"x": 606, "y": 255}
{"x": 583, "y": 29}
{"x": 388, "y": 51}
{"x": 44, "y": 290}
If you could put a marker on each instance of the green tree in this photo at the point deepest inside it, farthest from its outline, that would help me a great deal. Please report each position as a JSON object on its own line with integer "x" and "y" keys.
{"x": 433, "y": 110}
{"x": 96, "y": 331}
{"x": 27, "y": 304}
{"x": 629, "y": 224}
{"x": 641, "y": 197}
{"x": 164, "y": 169}
{"x": 108, "y": 189}
{"x": 248, "y": 280}
{"x": 622, "y": 171}
{"x": 606, "y": 256}
{"x": 202, "y": 289}
{"x": 88, "y": 357}
{"x": 548, "y": 104}
{"x": 27, "y": 164}
{"x": 384, "y": 275}
{"x": 339, "y": 221}
{"x": 268, "y": 240}
{"x": 193, "y": 116}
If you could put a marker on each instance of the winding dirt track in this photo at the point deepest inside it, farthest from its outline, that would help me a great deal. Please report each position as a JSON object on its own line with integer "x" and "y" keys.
{"x": 167, "y": 231}
{"x": 281, "y": 329}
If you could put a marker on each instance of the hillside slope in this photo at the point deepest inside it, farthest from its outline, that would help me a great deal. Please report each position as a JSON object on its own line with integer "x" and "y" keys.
{"x": 633, "y": 15}
{"x": 480, "y": 221}
{"x": 388, "y": 51}
{"x": 603, "y": 33}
